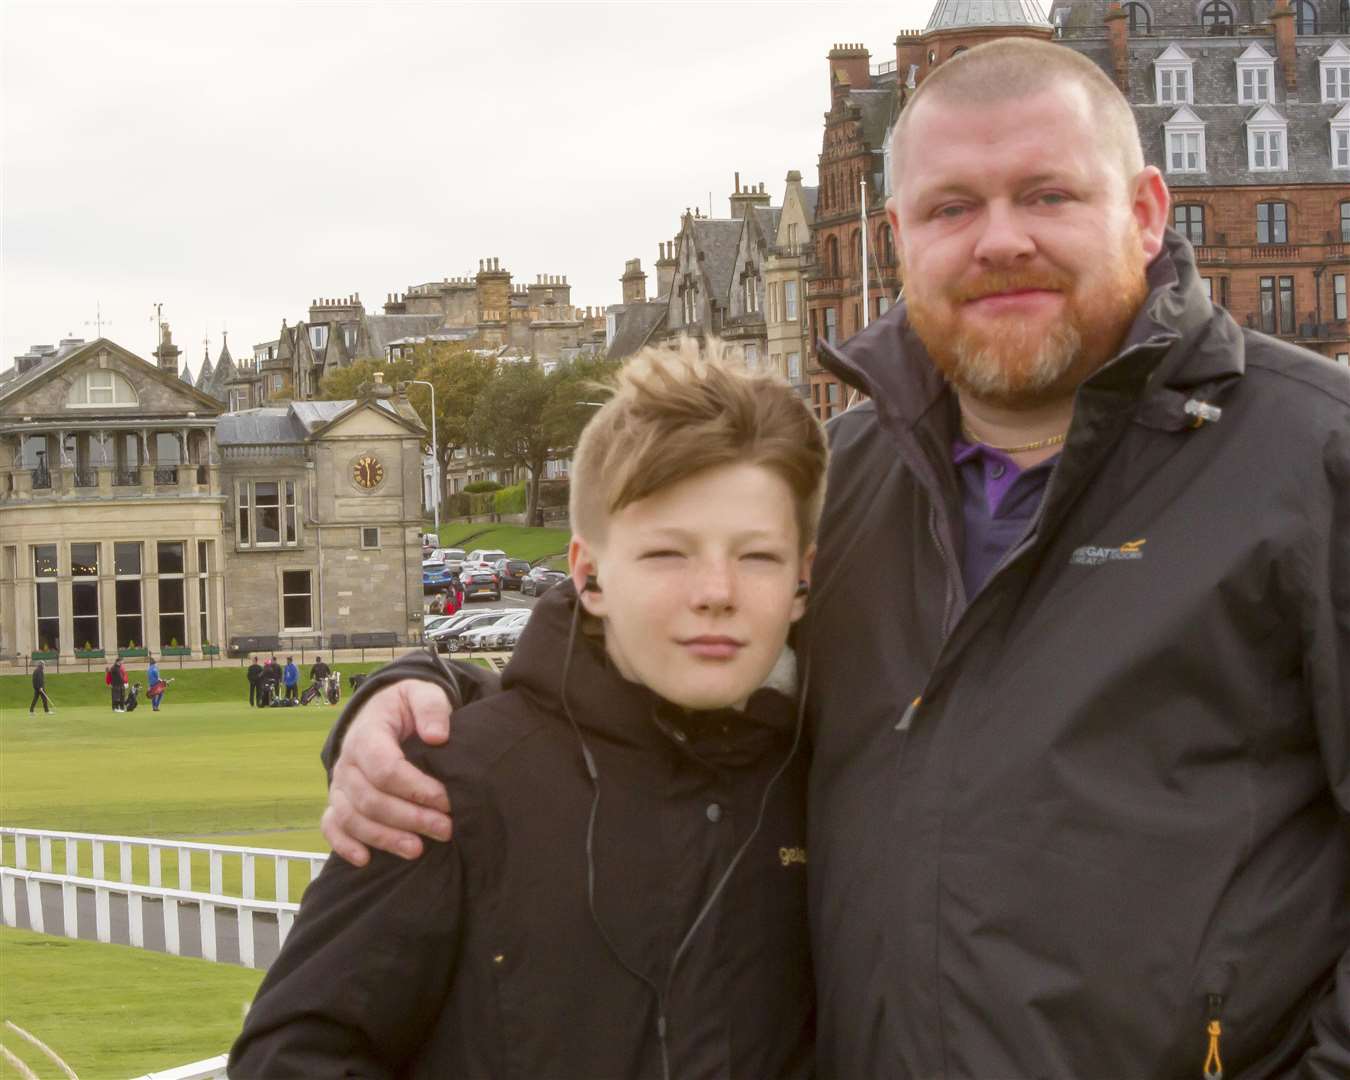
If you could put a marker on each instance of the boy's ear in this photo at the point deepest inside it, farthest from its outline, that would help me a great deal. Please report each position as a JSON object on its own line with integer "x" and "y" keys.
{"x": 804, "y": 577}
{"x": 581, "y": 565}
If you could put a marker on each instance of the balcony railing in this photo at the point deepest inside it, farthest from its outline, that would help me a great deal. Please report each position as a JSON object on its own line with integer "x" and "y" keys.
{"x": 128, "y": 476}
{"x": 166, "y": 476}
{"x": 42, "y": 478}
{"x": 86, "y": 476}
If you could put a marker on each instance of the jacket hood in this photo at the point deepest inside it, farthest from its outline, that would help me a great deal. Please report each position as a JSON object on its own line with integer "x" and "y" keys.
{"x": 1178, "y": 347}
{"x": 607, "y": 706}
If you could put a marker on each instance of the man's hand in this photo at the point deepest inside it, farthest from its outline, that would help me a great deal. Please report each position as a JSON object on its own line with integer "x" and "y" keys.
{"x": 377, "y": 798}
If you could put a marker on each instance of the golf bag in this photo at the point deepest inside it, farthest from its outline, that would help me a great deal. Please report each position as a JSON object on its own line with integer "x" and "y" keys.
{"x": 130, "y": 702}
{"x": 309, "y": 694}
{"x": 334, "y": 690}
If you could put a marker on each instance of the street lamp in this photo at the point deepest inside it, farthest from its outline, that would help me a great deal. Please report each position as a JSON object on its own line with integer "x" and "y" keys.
{"x": 435, "y": 455}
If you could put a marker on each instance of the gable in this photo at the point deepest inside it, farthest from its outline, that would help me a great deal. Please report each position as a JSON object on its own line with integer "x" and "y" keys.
{"x": 1266, "y": 115}
{"x": 158, "y": 393}
{"x": 1173, "y": 54}
{"x": 1255, "y": 54}
{"x": 1185, "y": 115}
{"x": 365, "y": 422}
{"x": 1338, "y": 51}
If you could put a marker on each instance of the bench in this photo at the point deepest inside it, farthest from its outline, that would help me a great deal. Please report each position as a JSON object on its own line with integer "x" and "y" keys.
{"x": 378, "y": 639}
{"x": 255, "y": 644}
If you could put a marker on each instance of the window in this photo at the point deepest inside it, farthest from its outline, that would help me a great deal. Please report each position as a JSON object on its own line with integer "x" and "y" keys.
{"x": 1305, "y": 18}
{"x": 172, "y": 594}
{"x": 127, "y": 593}
{"x": 831, "y": 325}
{"x": 84, "y": 596}
{"x": 751, "y": 294}
{"x": 752, "y": 356}
{"x": 1266, "y": 141}
{"x": 1185, "y": 134}
{"x": 267, "y": 513}
{"x": 1335, "y": 65}
{"x": 238, "y": 399}
{"x": 1189, "y": 220}
{"x": 370, "y": 537}
{"x": 1343, "y": 358}
{"x": 318, "y": 336}
{"x": 295, "y": 600}
{"x": 1172, "y": 73}
{"x": 1208, "y": 283}
{"x": 46, "y": 600}
{"x": 1255, "y": 75}
{"x": 790, "y": 300}
{"x": 95, "y": 388}
{"x": 1277, "y": 305}
{"x": 1338, "y": 296}
{"x": 1272, "y": 223}
{"x": 883, "y": 305}
{"x": 349, "y": 337}
{"x": 794, "y": 367}
{"x": 1340, "y": 140}
{"x": 1345, "y": 223}
{"x": 277, "y": 384}
{"x": 1216, "y": 17}
{"x": 204, "y": 588}
{"x": 1138, "y": 17}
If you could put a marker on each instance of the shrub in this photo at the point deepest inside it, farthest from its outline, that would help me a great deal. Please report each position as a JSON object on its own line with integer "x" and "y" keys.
{"x": 481, "y": 486}
{"x": 509, "y": 500}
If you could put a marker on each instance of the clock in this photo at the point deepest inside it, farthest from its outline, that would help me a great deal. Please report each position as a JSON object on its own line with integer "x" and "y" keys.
{"x": 367, "y": 472}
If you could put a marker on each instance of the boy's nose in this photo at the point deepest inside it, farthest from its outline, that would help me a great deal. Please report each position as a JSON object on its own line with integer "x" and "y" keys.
{"x": 714, "y": 588}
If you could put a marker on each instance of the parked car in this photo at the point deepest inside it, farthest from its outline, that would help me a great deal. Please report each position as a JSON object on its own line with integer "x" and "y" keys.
{"x": 436, "y": 576}
{"x": 539, "y": 580}
{"x": 511, "y": 572}
{"x": 449, "y": 638}
{"x": 429, "y": 542}
{"x": 509, "y": 637}
{"x": 480, "y": 583}
{"x": 484, "y": 556}
{"x": 491, "y": 635}
{"x": 452, "y": 557}
{"x": 435, "y": 622}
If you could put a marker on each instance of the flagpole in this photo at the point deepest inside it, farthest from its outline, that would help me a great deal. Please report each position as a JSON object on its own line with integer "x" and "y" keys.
{"x": 862, "y": 213}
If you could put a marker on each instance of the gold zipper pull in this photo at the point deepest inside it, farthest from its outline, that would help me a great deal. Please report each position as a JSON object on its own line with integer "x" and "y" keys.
{"x": 1213, "y": 1062}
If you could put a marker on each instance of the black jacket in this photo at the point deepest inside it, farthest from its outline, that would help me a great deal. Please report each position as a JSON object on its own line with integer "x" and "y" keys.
{"x": 255, "y": 672}
{"x": 1122, "y": 804}
{"x": 39, "y": 678}
{"x": 482, "y": 958}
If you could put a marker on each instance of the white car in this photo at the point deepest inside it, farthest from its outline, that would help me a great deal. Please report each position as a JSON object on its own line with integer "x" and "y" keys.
{"x": 451, "y": 636}
{"x": 487, "y": 556}
{"x": 490, "y": 636}
{"x": 453, "y": 558}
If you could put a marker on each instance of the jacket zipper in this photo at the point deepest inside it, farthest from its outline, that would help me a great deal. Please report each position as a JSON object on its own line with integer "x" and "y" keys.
{"x": 1213, "y": 1067}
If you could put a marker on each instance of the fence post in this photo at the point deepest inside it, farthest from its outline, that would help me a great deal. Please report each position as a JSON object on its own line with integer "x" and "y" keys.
{"x": 70, "y": 914}
{"x": 20, "y": 851}
{"x": 248, "y": 875}
{"x": 154, "y": 866}
{"x": 217, "y": 876}
{"x": 102, "y": 916}
{"x": 125, "y": 850}
{"x": 246, "y": 953}
{"x": 135, "y": 920}
{"x": 98, "y": 859}
{"x": 9, "y": 911}
{"x": 72, "y": 857}
{"x": 206, "y": 917}
{"x": 36, "y": 923}
{"x": 184, "y": 870}
{"x": 281, "y": 870}
{"x": 170, "y": 906}
{"x": 45, "y": 854}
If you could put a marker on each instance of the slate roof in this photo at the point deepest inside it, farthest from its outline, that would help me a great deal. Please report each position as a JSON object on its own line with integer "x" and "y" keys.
{"x": 962, "y": 14}
{"x": 718, "y": 239}
{"x": 384, "y": 329}
{"x": 635, "y": 325}
{"x": 810, "y": 196}
{"x": 766, "y": 217}
{"x": 11, "y": 379}
{"x": 204, "y": 373}
{"x": 876, "y": 106}
{"x": 259, "y": 426}
{"x": 224, "y": 373}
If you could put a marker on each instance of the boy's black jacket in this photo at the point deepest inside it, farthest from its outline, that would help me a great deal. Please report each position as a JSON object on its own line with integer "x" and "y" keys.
{"x": 482, "y": 959}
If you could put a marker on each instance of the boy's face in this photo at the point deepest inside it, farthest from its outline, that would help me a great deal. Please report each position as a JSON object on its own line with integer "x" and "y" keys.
{"x": 698, "y": 585}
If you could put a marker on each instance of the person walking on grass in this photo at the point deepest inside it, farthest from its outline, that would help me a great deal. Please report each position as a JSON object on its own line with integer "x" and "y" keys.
{"x": 117, "y": 680}
{"x": 291, "y": 677}
{"x": 154, "y": 684}
{"x": 40, "y": 689}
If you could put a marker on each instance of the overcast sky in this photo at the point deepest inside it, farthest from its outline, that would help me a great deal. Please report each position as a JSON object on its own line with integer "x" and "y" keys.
{"x": 234, "y": 161}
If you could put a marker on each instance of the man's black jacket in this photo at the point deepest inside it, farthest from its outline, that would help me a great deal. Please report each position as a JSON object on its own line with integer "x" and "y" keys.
{"x": 1121, "y": 807}
{"x": 39, "y": 678}
{"x": 255, "y": 672}
{"x": 483, "y": 959}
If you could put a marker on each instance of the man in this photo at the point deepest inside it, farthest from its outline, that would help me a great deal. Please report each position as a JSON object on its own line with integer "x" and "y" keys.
{"x": 154, "y": 685}
{"x": 40, "y": 690}
{"x": 255, "y": 674}
{"x": 1081, "y": 779}
{"x": 291, "y": 677}
{"x": 117, "y": 679}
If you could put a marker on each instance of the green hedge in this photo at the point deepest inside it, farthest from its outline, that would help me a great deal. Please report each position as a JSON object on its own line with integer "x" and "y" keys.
{"x": 509, "y": 500}
{"x": 481, "y": 486}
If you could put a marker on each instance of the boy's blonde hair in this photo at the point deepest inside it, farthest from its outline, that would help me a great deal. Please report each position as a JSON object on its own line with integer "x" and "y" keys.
{"x": 679, "y": 409}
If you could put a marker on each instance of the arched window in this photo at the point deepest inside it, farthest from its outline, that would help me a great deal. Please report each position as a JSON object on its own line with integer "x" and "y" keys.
{"x": 1138, "y": 16}
{"x": 101, "y": 388}
{"x": 1216, "y": 17}
{"x": 1305, "y": 17}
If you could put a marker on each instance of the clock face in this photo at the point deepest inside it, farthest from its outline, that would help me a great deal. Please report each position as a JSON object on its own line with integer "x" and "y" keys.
{"x": 367, "y": 472}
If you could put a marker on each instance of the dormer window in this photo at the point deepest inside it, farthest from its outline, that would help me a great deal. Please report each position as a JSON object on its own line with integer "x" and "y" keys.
{"x": 1335, "y": 65}
{"x": 1340, "y": 140}
{"x": 318, "y": 336}
{"x": 1255, "y": 76}
{"x": 1173, "y": 74}
{"x": 1185, "y": 138}
{"x": 1266, "y": 141}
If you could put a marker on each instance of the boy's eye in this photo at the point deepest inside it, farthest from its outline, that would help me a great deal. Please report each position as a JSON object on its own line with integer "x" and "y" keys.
{"x": 662, "y": 553}
{"x": 763, "y": 556}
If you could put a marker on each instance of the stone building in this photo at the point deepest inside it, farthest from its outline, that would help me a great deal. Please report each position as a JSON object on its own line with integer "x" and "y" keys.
{"x": 1245, "y": 106}
{"x": 747, "y": 293}
{"x": 134, "y": 516}
{"x": 785, "y": 323}
{"x": 705, "y": 256}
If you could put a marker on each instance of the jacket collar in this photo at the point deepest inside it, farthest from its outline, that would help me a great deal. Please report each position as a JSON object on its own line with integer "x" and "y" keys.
{"x": 609, "y": 708}
{"x": 1179, "y": 347}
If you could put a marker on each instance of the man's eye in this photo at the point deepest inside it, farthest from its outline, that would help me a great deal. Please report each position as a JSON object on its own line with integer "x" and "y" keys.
{"x": 1052, "y": 198}
{"x": 949, "y": 211}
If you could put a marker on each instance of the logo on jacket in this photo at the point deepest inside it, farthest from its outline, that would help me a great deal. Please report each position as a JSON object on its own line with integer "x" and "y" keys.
{"x": 789, "y": 855}
{"x": 1096, "y": 556}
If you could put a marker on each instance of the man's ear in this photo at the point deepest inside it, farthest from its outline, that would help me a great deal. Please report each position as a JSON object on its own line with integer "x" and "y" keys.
{"x": 803, "y": 578}
{"x": 581, "y": 565}
{"x": 1149, "y": 205}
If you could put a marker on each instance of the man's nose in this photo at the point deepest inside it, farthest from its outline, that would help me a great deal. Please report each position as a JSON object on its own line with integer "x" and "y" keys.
{"x": 1004, "y": 238}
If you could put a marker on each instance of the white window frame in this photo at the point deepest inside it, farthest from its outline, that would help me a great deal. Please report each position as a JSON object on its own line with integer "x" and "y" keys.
{"x": 1340, "y": 138}
{"x": 318, "y": 337}
{"x": 790, "y": 301}
{"x": 1334, "y": 65}
{"x": 1267, "y": 142}
{"x": 794, "y": 367}
{"x": 1255, "y": 62}
{"x": 1184, "y": 124}
{"x": 114, "y": 385}
{"x": 1172, "y": 62}
{"x": 238, "y": 399}
{"x": 1340, "y": 302}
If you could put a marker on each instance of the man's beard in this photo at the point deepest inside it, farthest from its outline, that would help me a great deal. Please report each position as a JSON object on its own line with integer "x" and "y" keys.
{"x": 1015, "y": 364}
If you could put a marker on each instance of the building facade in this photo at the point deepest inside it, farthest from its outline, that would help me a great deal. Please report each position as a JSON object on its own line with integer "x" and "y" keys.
{"x": 786, "y": 325}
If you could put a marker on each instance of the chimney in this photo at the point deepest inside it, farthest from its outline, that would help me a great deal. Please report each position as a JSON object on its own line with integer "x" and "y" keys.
{"x": 1118, "y": 32}
{"x": 908, "y": 53}
{"x": 167, "y": 354}
{"x": 1282, "y": 22}
{"x": 849, "y": 69}
{"x": 665, "y": 268}
{"x": 634, "y": 282}
{"x": 745, "y": 197}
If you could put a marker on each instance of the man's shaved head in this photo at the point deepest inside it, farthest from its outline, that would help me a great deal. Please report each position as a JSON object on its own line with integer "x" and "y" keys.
{"x": 1014, "y": 68}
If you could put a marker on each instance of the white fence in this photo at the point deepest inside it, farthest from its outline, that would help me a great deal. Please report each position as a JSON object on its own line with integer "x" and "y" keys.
{"x": 104, "y": 885}
{"x": 210, "y": 1069}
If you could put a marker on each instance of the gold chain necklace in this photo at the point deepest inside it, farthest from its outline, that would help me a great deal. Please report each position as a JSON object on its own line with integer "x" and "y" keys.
{"x": 1040, "y": 444}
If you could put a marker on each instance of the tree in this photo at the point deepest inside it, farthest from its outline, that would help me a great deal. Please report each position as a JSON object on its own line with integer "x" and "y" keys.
{"x": 459, "y": 377}
{"x": 524, "y": 417}
{"x": 346, "y": 382}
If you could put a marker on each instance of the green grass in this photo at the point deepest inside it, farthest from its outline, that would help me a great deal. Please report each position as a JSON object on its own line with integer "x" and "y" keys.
{"x": 111, "y": 1011}
{"x": 518, "y": 541}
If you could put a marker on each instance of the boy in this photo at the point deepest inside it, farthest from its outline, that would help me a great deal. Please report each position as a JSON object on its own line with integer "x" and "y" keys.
{"x": 625, "y": 892}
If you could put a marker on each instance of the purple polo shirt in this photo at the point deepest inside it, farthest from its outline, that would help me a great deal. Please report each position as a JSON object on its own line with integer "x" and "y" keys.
{"x": 998, "y": 501}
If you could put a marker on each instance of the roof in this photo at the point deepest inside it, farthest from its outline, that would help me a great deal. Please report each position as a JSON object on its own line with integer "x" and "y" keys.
{"x": 876, "y": 107}
{"x": 203, "y": 373}
{"x": 766, "y": 217}
{"x": 635, "y": 325}
{"x": 811, "y": 196}
{"x": 224, "y": 373}
{"x": 384, "y": 329}
{"x": 259, "y": 426}
{"x": 962, "y": 14}
{"x": 11, "y": 379}
{"x": 717, "y": 240}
